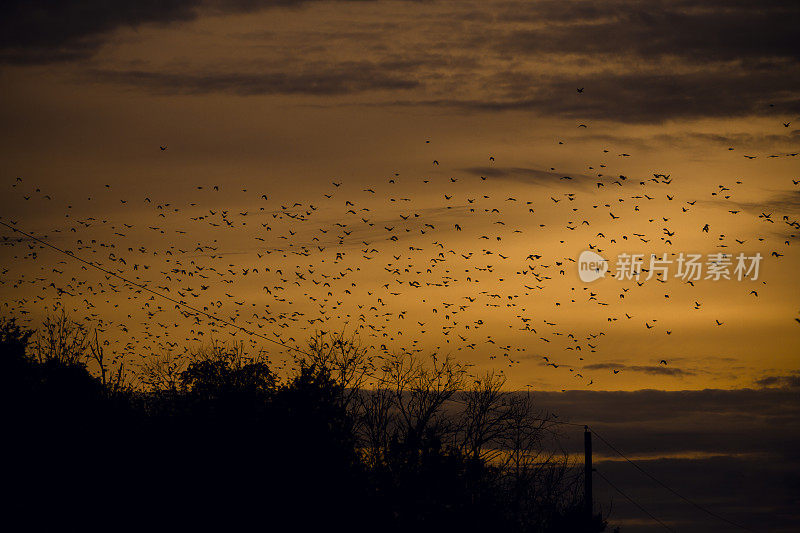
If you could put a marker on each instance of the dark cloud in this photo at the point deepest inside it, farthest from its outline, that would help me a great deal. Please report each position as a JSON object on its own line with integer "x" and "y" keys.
{"x": 604, "y": 366}
{"x": 528, "y": 175}
{"x": 640, "y": 97}
{"x": 791, "y": 381}
{"x": 345, "y": 78}
{"x": 733, "y": 451}
{"x": 638, "y": 63}
{"x": 740, "y": 141}
{"x": 782, "y": 203}
{"x": 697, "y": 419}
{"x": 724, "y": 30}
{"x": 660, "y": 370}
{"x": 47, "y": 31}
{"x": 646, "y": 369}
{"x": 757, "y": 492}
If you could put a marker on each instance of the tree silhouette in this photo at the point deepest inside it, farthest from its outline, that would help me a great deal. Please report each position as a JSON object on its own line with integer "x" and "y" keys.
{"x": 346, "y": 440}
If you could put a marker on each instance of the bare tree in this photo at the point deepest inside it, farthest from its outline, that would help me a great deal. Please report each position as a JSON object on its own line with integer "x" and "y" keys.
{"x": 374, "y": 420}
{"x": 162, "y": 372}
{"x": 60, "y": 339}
{"x": 345, "y": 359}
{"x": 234, "y": 355}
{"x": 97, "y": 354}
{"x": 420, "y": 390}
{"x": 485, "y": 417}
{"x": 113, "y": 373}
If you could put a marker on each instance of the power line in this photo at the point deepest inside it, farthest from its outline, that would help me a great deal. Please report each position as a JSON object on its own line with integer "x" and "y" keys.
{"x": 539, "y": 419}
{"x": 673, "y": 491}
{"x": 559, "y": 422}
{"x": 160, "y": 295}
{"x": 634, "y": 502}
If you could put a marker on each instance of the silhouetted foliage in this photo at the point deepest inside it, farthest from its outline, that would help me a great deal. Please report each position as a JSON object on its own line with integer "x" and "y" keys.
{"x": 401, "y": 444}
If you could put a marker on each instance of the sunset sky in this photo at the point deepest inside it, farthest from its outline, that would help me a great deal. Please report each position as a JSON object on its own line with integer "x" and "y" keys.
{"x": 285, "y": 98}
{"x": 424, "y": 175}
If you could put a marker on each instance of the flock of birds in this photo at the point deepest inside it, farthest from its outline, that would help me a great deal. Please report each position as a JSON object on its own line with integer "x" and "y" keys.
{"x": 437, "y": 263}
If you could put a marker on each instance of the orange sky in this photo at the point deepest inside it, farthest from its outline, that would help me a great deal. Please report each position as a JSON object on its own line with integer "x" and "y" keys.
{"x": 286, "y": 101}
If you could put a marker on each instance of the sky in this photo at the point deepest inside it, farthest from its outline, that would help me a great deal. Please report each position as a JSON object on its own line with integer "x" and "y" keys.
{"x": 541, "y": 128}
{"x": 424, "y": 175}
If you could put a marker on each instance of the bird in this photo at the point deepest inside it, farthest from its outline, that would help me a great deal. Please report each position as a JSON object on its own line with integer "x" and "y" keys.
{"x": 663, "y": 362}
{"x": 163, "y": 147}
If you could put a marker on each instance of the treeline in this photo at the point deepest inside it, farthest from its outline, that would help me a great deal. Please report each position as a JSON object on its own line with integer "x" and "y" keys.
{"x": 347, "y": 440}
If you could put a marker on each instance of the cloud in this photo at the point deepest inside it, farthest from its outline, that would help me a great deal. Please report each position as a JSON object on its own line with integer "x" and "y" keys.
{"x": 660, "y": 370}
{"x": 637, "y": 64}
{"x": 656, "y": 370}
{"x": 753, "y": 491}
{"x": 673, "y": 60}
{"x": 345, "y": 78}
{"x": 648, "y": 413}
{"x": 791, "y": 381}
{"x": 49, "y": 31}
{"x": 604, "y": 366}
{"x": 721, "y": 30}
{"x": 638, "y": 96}
{"x": 528, "y": 175}
{"x": 782, "y": 203}
{"x": 740, "y": 141}
{"x": 739, "y": 451}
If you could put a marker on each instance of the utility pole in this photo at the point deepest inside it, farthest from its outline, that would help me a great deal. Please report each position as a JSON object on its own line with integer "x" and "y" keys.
{"x": 587, "y": 473}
